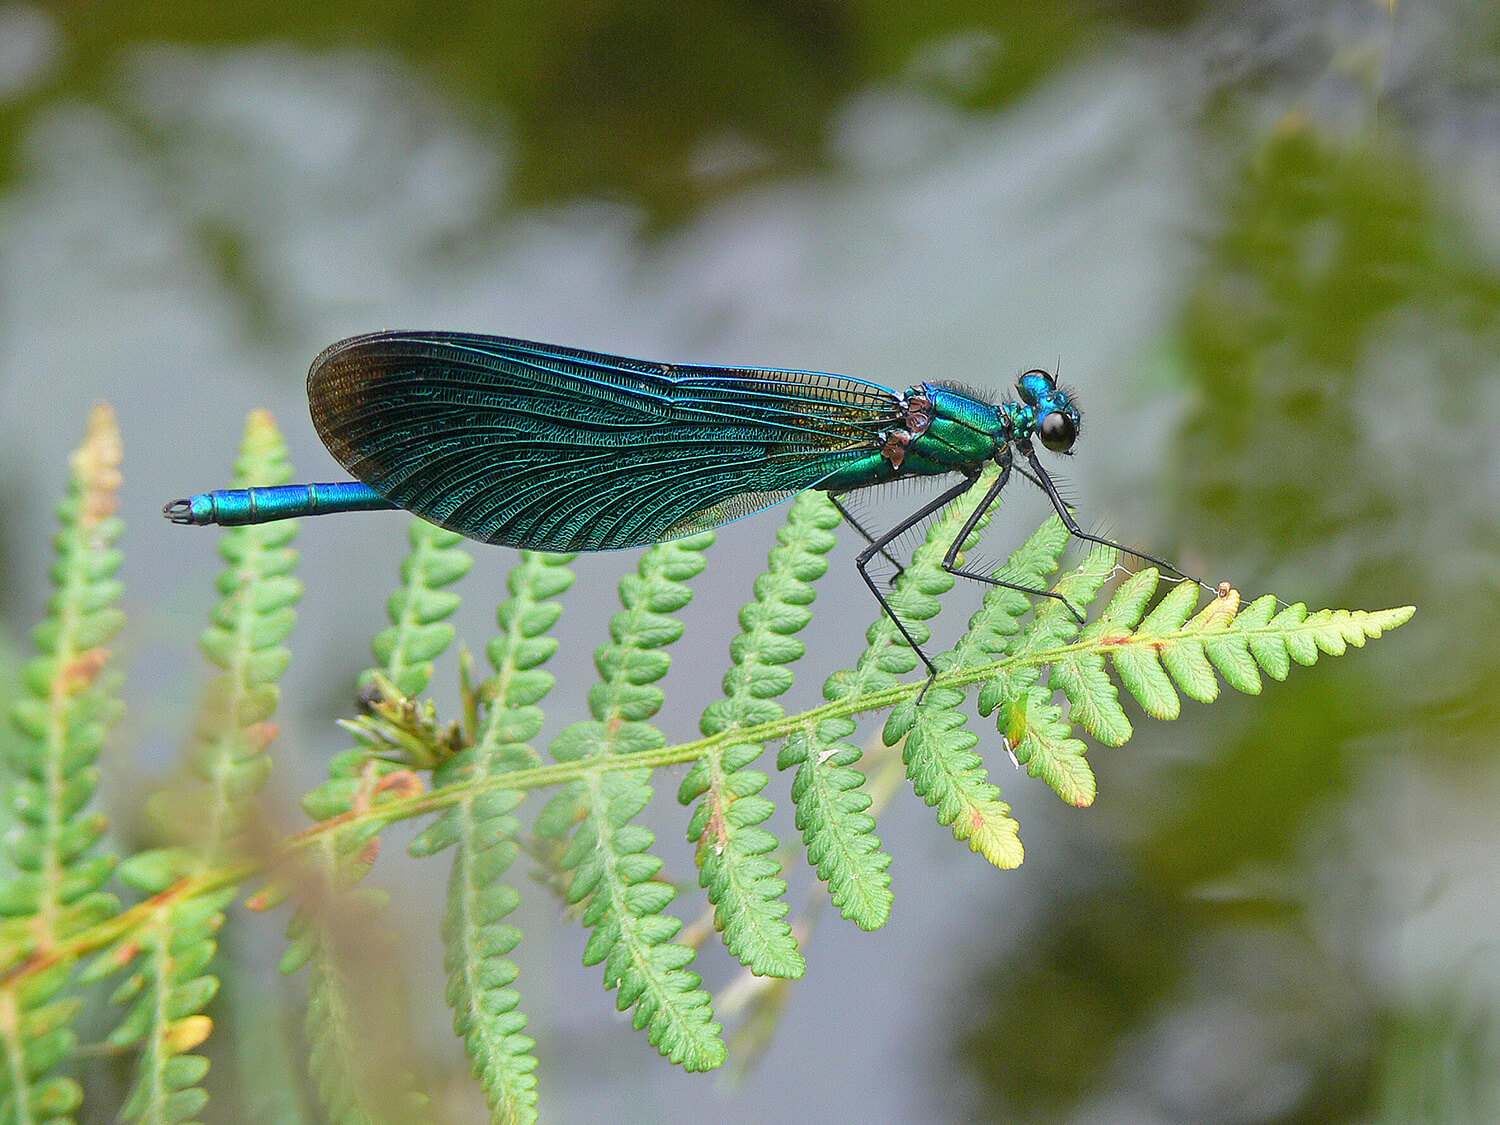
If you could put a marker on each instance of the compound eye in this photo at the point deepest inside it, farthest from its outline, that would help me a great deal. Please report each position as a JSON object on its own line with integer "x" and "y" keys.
{"x": 1057, "y": 432}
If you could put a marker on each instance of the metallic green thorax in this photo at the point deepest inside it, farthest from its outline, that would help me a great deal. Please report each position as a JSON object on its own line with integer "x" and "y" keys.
{"x": 964, "y": 432}
{"x": 942, "y": 429}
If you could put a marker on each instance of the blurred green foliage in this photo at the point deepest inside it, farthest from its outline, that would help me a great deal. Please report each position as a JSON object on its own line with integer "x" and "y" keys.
{"x": 1303, "y": 453}
{"x": 627, "y": 99}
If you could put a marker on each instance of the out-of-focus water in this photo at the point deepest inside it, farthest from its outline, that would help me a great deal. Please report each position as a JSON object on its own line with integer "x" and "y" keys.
{"x": 1264, "y": 249}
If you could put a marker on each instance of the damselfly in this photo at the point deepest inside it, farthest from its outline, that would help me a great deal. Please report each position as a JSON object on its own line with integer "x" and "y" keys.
{"x": 558, "y": 449}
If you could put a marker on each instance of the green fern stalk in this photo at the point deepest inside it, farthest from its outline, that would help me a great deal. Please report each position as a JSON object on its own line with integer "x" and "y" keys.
{"x": 68, "y": 707}
{"x": 1236, "y": 640}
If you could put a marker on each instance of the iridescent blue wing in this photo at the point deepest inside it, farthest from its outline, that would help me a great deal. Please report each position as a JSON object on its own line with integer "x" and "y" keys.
{"x": 558, "y": 449}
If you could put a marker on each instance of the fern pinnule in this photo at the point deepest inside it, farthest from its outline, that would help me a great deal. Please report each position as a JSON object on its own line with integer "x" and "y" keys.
{"x": 1144, "y": 669}
{"x": 482, "y": 830}
{"x": 613, "y": 873}
{"x": 827, "y": 788}
{"x": 742, "y": 880}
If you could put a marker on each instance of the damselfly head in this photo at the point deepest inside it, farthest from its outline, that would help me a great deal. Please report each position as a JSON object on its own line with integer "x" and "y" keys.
{"x": 1057, "y": 420}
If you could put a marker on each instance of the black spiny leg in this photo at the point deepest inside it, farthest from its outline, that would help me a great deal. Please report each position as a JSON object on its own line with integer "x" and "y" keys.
{"x": 877, "y": 547}
{"x": 951, "y": 558}
{"x": 1044, "y": 482}
{"x": 868, "y": 538}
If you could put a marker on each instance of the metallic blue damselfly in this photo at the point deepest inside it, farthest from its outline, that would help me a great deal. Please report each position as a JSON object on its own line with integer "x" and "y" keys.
{"x": 557, "y": 449}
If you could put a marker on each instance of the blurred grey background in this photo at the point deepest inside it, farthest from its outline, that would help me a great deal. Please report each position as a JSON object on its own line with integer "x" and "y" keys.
{"x": 1262, "y": 243}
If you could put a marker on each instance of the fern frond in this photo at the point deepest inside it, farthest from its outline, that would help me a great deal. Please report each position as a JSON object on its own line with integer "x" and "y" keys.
{"x": 244, "y": 640}
{"x": 164, "y": 995}
{"x": 167, "y": 987}
{"x": 938, "y": 751}
{"x": 262, "y": 1077}
{"x": 742, "y": 880}
{"x": 1170, "y": 649}
{"x": 337, "y": 859}
{"x": 483, "y": 766}
{"x": 351, "y": 1031}
{"x": 613, "y": 874}
{"x": 361, "y": 779}
{"x": 347, "y": 1049}
{"x": 477, "y": 939}
{"x": 419, "y": 631}
{"x": 477, "y": 942}
{"x": 1153, "y": 659}
{"x": 36, "y": 1031}
{"x": 68, "y": 707}
{"x": 827, "y": 788}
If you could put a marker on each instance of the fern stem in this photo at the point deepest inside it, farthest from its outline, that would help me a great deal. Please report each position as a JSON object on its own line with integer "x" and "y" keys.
{"x": 405, "y": 808}
{"x": 12, "y": 1035}
{"x": 20, "y": 960}
{"x": 558, "y": 773}
{"x": 147, "y": 1097}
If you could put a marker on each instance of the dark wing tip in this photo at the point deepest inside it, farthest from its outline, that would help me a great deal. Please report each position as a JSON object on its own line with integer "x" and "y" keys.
{"x": 371, "y": 343}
